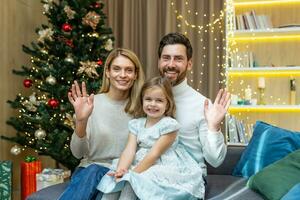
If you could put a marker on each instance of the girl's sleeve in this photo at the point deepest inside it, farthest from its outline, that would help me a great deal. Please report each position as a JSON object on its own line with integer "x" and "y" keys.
{"x": 168, "y": 125}
{"x": 133, "y": 126}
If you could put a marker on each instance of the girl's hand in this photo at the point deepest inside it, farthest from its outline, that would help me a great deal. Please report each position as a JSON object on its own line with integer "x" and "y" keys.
{"x": 83, "y": 103}
{"x": 120, "y": 173}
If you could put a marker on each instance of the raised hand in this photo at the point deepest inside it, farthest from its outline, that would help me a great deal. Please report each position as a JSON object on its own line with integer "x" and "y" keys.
{"x": 82, "y": 103}
{"x": 215, "y": 113}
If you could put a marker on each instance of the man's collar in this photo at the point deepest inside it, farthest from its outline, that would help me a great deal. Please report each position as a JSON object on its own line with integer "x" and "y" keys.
{"x": 180, "y": 88}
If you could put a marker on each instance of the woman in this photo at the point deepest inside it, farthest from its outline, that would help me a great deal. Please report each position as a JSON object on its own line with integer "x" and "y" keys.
{"x": 101, "y": 122}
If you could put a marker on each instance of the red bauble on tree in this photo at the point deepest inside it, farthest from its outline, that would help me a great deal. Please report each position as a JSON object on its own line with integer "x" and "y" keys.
{"x": 69, "y": 43}
{"x": 67, "y": 27}
{"x": 27, "y": 83}
{"x": 53, "y": 103}
{"x": 99, "y": 62}
{"x": 96, "y": 5}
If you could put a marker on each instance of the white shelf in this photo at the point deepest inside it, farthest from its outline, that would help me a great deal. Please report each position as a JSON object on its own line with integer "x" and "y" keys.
{"x": 264, "y": 71}
{"x": 293, "y": 32}
{"x": 263, "y": 68}
{"x": 264, "y": 108}
{"x": 262, "y": 2}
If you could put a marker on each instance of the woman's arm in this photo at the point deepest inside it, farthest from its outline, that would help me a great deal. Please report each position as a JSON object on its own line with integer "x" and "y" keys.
{"x": 160, "y": 146}
{"x": 127, "y": 156}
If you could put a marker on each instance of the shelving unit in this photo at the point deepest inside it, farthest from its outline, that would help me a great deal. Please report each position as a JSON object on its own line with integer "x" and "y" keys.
{"x": 271, "y": 54}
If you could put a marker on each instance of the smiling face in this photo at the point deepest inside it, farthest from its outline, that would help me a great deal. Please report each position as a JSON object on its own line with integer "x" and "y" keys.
{"x": 154, "y": 103}
{"x": 121, "y": 74}
{"x": 173, "y": 63}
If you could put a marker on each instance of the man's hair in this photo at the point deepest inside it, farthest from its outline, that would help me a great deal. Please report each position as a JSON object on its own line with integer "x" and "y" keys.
{"x": 176, "y": 38}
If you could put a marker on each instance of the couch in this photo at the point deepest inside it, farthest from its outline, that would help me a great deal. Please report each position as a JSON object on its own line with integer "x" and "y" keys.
{"x": 221, "y": 185}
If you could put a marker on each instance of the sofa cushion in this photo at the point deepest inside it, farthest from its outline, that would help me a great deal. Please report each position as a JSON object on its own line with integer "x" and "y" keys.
{"x": 220, "y": 187}
{"x": 293, "y": 194}
{"x": 267, "y": 145}
{"x": 274, "y": 181}
{"x": 232, "y": 157}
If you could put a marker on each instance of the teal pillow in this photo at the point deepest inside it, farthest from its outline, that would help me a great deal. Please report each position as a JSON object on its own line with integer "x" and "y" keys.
{"x": 277, "y": 179}
{"x": 267, "y": 145}
{"x": 293, "y": 193}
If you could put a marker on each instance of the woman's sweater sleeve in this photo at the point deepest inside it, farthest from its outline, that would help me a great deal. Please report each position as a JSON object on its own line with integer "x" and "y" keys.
{"x": 79, "y": 146}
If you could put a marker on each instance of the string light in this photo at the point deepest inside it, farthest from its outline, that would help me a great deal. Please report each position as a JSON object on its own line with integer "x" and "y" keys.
{"x": 214, "y": 24}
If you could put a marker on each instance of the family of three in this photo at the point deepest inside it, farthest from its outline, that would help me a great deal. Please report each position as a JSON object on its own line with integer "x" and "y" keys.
{"x": 170, "y": 129}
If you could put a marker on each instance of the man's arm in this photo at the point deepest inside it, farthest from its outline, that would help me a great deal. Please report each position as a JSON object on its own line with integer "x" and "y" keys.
{"x": 214, "y": 148}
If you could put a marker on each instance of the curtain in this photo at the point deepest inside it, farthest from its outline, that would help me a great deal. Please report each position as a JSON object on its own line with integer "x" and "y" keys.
{"x": 140, "y": 24}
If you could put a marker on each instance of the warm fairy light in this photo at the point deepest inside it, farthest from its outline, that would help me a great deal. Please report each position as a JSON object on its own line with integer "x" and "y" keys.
{"x": 215, "y": 24}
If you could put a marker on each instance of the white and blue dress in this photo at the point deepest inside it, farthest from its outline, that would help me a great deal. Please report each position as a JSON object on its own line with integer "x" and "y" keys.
{"x": 175, "y": 175}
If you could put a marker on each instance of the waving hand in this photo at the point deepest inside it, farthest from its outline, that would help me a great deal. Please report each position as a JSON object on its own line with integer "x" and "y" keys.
{"x": 82, "y": 103}
{"x": 215, "y": 113}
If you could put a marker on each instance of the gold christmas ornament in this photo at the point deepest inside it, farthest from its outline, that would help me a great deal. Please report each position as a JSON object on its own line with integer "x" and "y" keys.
{"x": 29, "y": 106}
{"x": 69, "y": 121}
{"x": 45, "y": 34}
{"x": 91, "y": 19}
{"x": 40, "y": 134}
{"x": 15, "y": 150}
{"x": 70, "y": 13}
{"x": 46, "y": 8}
{"x": 108, "y": 45}
{"x": 32, "y": 99}
{"x": 69, "y": 59}
{"x": 89, "y": 68}
{"x": 51, "y": 80}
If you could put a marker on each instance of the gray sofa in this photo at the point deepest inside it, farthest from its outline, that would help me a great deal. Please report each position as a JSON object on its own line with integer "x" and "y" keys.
{"x": 221, "y": 185}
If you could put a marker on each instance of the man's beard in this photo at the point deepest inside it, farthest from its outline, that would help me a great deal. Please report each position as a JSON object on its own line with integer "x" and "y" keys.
{"x": 179, "y": 78}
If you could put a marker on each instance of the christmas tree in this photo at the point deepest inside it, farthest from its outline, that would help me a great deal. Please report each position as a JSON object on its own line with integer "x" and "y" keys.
{"x": 72, "y": 47}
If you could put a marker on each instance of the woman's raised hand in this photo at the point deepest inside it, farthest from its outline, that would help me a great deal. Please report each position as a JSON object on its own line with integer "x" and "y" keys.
{"x": 83, "y": 103}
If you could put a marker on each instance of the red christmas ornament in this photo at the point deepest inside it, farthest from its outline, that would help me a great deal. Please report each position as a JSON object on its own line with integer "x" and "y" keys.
{"x": 53, "y": 103}
{"x": 96, "y": 5}
{"x": 27, "y": 83}
{"x": 99, "y": 62}
{"x": 70, "y": 43}
{"x": 67, "y": 27}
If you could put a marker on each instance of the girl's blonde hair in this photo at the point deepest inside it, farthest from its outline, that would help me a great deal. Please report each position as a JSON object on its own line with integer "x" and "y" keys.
{"x": 139, "y": 81}
{"x": 166, "y": 87}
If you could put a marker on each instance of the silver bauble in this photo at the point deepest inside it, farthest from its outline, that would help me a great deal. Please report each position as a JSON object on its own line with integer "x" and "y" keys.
{"x": 69, "y": 59}
{"x": 44, "y": 51}
{"x": 51, "y": 80}
{"x": 40, "y": 134}
{"x": 15, "y": 150}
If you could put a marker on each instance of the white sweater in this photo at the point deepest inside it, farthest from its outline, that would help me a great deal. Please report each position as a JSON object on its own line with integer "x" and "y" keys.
{"x": 107, "y": 132}
{"x": 194, "y": 134}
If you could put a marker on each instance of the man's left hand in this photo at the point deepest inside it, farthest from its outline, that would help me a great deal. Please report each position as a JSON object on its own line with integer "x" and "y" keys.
{"x": 215, "y": 113}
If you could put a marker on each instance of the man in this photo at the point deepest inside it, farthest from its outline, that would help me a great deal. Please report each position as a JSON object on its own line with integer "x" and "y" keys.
{"x": 200, "y": 122}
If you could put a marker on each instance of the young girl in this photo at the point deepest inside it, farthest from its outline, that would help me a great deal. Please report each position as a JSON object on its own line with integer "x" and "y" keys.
{"x": 153, "y": 162}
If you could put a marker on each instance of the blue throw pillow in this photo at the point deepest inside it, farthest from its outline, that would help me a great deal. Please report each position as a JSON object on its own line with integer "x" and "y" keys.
{"x": 267, "y": 145}
{"x": 293, "y": 194}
